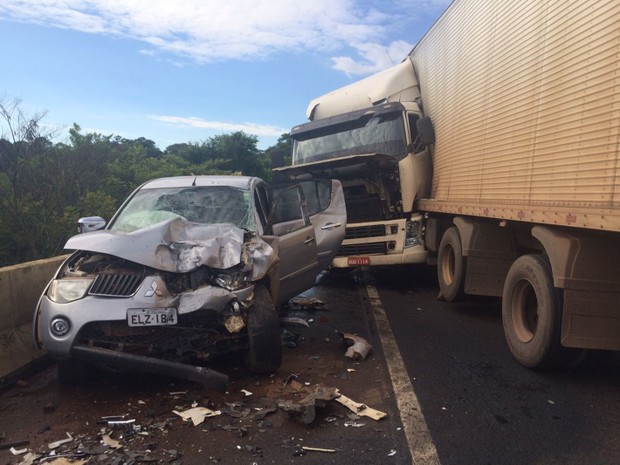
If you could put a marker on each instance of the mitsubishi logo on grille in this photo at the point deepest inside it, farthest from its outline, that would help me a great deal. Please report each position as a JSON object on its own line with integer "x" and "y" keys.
{"x": 152, "y": 290}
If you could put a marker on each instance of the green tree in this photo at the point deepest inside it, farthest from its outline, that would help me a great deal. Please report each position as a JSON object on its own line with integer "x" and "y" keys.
{"x": 21, "y": 207}
{"x": 238, "y": 152}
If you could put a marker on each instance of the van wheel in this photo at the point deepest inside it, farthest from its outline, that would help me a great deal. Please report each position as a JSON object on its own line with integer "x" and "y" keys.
{"x": 451, "y": 265}
{"x": 264, "y": 334}
{"x": 532, "y": 315}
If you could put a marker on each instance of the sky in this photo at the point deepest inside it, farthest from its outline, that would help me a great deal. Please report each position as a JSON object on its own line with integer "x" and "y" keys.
{"x": 177, "y": 71}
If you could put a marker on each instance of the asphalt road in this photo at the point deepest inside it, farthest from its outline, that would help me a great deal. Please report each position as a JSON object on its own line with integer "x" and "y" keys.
{"x": 480, "y": 406}
{"x": 451, "y": 391}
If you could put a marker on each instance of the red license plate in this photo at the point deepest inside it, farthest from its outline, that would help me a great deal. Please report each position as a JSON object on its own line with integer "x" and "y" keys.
{"x": 358, "y": 261}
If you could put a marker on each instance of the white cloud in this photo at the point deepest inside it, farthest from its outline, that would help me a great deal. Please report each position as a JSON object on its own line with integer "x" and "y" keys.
{"x": 206, "y": 31}
{"x": 374, "y": 57}
{"x": 194, "y": 122}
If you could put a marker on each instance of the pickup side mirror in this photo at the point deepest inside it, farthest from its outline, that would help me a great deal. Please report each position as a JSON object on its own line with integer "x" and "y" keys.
{"x": 426, "y": 131}
{"x": 90, "y": 223}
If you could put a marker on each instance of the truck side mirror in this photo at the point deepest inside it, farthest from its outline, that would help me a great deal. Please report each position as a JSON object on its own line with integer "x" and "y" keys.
{"x": 426, "y": 130}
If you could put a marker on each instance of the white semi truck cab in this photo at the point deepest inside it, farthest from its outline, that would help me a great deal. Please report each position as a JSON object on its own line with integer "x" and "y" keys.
{"x": 372, "y": 137}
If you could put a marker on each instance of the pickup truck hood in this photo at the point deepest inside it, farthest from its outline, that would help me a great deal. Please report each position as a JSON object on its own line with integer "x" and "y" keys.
{"x": 181, "y": 246}
{"x": 349, "y": 166}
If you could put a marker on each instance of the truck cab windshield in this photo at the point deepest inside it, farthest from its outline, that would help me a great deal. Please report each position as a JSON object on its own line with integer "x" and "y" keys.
{"x": 383, "y": 134}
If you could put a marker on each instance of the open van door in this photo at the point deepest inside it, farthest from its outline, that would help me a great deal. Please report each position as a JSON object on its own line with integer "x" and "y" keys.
{"x": 309, "y": 218}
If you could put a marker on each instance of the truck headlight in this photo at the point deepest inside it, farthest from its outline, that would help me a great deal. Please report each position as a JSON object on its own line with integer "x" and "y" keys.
{"x": 412, "y": 233}
{"x": 63, "y": 291}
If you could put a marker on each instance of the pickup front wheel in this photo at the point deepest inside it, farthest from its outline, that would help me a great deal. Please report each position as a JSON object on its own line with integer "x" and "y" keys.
{"x": 264, "y": 334}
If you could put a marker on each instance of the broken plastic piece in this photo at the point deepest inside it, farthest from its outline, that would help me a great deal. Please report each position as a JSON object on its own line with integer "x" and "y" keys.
{"x": 290, "y": 320}
{"x": 360, "y": 409}
{"x": 29, "y": 458}
{"x": 108, "y": 441}
{"x": 246, "y": 392}
{"x": 359, "y": 349}
{"x": 66, "y": 461}
{"x": 354, "y": 424}
{"x": 54, "y": 445}
{"x": 109, "y": 418}
{"x": 318, "y": 449}
{"x": 305, "y": 410}
{"x": 18, "y": 451}
{"x": 197, "y": 414}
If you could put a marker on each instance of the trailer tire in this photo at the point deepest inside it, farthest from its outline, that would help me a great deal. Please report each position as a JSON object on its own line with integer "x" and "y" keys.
{"x": 264, "y": 334}
{"x": 532, "y": 313}
{"x": 451, "y": 265}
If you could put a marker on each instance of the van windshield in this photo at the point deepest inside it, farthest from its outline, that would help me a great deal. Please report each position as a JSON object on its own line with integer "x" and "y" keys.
{"x": 383, "y": 134}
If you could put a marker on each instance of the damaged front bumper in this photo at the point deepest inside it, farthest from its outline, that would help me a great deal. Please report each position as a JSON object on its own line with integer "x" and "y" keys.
{"x": 118, "y": 331}
{"x": 210, "y": 379}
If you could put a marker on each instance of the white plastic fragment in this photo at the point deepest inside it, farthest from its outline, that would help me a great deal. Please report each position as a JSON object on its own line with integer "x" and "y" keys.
{"x": 360, "y": 348}
{"x": 360, "y": 409}
{"x": 29, "y": 458}
{"x": 354, "y": 424}
{"x": 55, "y": 444}
{"x": 318, "y": 449}
{"x": 246, "y": 392}
{"x": 18, "y": 451}
{"x": 197, "y": 414}
{"x": 108, "y": 441}
{"x": 392, "y": 453}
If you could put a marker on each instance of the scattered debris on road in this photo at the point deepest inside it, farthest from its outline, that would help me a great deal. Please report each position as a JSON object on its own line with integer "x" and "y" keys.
{"x": 359, "y": 347}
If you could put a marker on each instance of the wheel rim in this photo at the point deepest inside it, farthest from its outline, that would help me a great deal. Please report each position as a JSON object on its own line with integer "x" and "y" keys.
{"x": 447, "y": 265}
{"x": 525, "y": 311}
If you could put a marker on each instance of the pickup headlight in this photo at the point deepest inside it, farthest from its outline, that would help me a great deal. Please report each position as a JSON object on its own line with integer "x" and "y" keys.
{"x": 63, "y": 291}
{"x": 232, "y": 280}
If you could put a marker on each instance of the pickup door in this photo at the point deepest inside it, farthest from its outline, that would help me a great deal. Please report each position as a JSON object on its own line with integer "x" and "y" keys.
{"x": 309, "y": 219}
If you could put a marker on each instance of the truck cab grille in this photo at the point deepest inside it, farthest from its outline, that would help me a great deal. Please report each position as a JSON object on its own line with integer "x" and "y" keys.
{"x": 357, "y": 232}
{"x": 362, "y": 249}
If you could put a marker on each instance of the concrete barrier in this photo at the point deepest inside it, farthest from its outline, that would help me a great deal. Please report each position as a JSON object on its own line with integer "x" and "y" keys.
{"x": 20, "y": 288}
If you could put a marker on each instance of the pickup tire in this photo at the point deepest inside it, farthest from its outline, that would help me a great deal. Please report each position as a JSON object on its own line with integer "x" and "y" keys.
{"x": 532, "y": 313}
{"x": 264, "y": 334}
{"x": 451, "y": 265}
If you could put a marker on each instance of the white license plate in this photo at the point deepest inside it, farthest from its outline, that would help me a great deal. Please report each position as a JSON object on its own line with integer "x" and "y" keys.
{"x": 151, "y": 316}
{"x": 358, "y": 261}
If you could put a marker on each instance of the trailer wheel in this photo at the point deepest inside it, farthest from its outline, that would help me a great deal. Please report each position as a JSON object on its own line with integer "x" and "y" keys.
{"x": 264, "y": 334}
{"x": 451, "y": 265}
{"x": 532, "y": 313}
